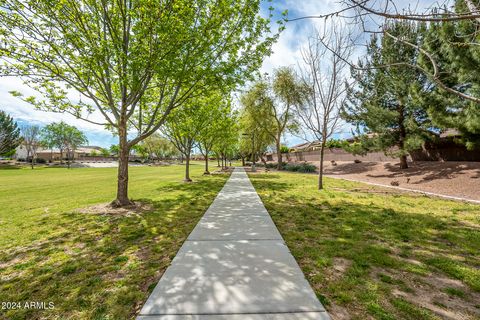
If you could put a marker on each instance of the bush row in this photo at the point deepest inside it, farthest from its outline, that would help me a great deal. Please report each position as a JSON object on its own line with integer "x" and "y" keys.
{"x": 295, "y": 167}
{"x": 300, "y": 167}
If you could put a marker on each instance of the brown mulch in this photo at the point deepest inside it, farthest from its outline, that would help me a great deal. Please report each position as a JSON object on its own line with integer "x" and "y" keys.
{"x": 459, "y": 179}
{"x": 107, "y": 209}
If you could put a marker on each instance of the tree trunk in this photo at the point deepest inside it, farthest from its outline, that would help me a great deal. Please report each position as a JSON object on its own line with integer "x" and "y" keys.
{"x": 243, "y": 161}
{"x": 187, "y": 169}
{"x": 122, "y": 182}
{"x": 262, "y": 158}
{"x": 33, "y": 161}
{"x": 279, "y": 155}
{"x": 402, "y": 138}
{"x": 403, "y": 162}
{"x": 320, "y": 171}
{"x": 206, "y": 163}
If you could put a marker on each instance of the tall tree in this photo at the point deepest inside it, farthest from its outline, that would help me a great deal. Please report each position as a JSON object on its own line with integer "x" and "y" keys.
{"x": 133, "y": 61}
{"x": 32, "y": 141}
{"x": 385, "y": 100}
{"x": 159, "y": 147}
{"x": 64, "y": 137}
{"x": 183, "y": 127}
{"x": 254, "y": 140}
{"x": 225, "y": 146}
{"x": 272, "y": 102}
{"x": 72, "y": 139}
{"x": 324, "y": 78}
{"x": 9, "y": 134}
{"x": 451, "y": 45}
{"x": 218, "y": 119}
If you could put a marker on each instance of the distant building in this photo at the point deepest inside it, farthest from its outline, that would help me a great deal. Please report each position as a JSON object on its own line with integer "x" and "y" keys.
{"x": 54, "y": 154}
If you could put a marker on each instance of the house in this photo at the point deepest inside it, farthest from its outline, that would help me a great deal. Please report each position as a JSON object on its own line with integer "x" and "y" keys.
{"x": 306, "y": 146}
{"x": 54, "y": 154}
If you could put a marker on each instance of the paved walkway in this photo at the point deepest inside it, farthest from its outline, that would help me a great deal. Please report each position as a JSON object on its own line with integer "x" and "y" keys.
{"x": 234, "y": 265}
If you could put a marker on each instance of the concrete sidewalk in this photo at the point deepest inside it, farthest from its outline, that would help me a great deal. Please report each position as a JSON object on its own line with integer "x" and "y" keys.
{"x": 234, "y": 265}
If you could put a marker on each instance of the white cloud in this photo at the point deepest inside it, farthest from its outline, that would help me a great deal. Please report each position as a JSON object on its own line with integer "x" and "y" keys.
{"x": 286, "y": 52}
{"x": 24, "y": 111}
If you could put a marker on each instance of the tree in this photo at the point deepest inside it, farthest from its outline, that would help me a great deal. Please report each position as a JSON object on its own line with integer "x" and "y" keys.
{"x": 31, "y": 140}
{"x": 383, "y": 13}
{"x": 324, "y": 92}
{"x": 254, "y": 140}
{"x": 159, "y": 147}
{"x": 448, "y": 56}
{"x": 64, "y": 137}
{"x": 141, "y": 151}
{"x": 133, "y": 61}
{"x": 50, "y": 138}
{"x": 114, "y": 149}
{"x": 218, "y": 118}
{"x": 183, "y": 126}
{"x": 9, "y": 134}
{"x": 105, "y": 152}
{"x": 226, "y": 146}
{"x": 72, "y": 139}
{"x": 450, "y": 46}
{"x": 385, "y": 100}
{"x": 271, "y": 103}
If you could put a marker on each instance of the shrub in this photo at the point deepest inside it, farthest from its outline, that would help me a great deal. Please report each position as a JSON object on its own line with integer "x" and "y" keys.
{"x": 41, "y": 160}
{"x": 274, "y": 165}
{"x": 300, "y": 167}
{"x": 334, "y": 143}
{"x": 284, "y": 149}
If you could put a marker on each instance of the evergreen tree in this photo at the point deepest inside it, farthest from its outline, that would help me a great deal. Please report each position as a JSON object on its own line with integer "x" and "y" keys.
{"x": 385, "y": 99}
{"x": 9, "y": 134}
{"x": 454, "y": 47}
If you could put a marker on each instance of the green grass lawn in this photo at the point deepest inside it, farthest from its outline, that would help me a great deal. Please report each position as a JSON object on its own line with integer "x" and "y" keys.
{"x": 372, "y": 252}
{"x": 92, "y": 266}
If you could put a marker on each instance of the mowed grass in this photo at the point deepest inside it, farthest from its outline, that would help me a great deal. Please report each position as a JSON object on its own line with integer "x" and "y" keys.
{"x": 375, "y": 253}
{"x": 92, "y": 266}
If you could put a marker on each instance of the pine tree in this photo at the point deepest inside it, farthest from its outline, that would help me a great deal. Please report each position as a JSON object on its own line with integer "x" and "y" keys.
{"x": 9, "y": 134}
{"x": 384, "y": 100}
{"x": 454, "y": 47}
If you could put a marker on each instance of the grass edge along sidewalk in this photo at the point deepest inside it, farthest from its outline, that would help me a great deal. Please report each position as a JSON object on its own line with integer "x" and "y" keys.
{"x": 370, "y": 251}
{"x": 93, "y": 266}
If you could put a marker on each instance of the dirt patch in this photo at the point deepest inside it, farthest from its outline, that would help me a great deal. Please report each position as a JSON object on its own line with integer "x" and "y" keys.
{"x": 107, "y": 209}
{"x": 337, "y": 312}
{"x": 446, "y": 297}
{"x": 452, "y": 178}
{"x": 338, "y": 269}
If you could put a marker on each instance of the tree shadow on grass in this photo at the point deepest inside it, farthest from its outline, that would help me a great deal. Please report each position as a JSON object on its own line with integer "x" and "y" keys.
{"x": 262, "y": 175}
{"x": 103, "y": 266}
{"x": 372, "y": 237}
{"x": 196, "y": 186}
{"x": 9, "y": 167}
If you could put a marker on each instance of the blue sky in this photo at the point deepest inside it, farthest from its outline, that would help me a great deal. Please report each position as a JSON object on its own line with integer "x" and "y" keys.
{"x": 287, "y": 52}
